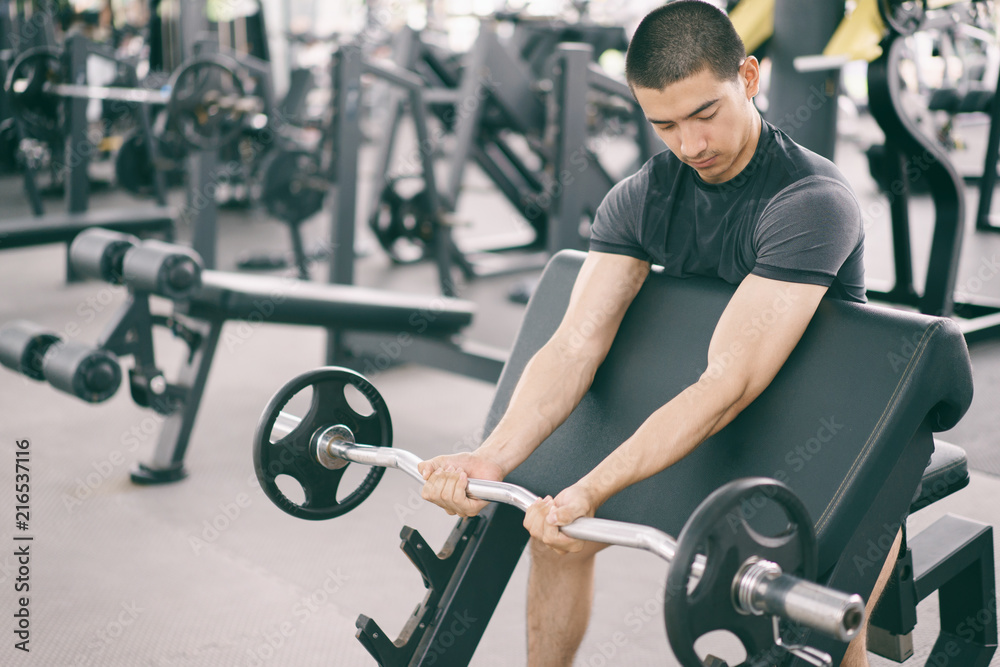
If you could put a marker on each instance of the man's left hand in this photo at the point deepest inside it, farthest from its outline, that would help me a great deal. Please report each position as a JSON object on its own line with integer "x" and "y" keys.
{"x": 547, "y": 515}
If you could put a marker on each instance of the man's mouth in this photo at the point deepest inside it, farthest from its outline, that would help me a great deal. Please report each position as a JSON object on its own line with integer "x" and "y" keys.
{"x": 704, "y": 163}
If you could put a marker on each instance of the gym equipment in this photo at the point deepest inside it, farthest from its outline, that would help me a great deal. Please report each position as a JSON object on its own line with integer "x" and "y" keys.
{"x": 531, "y": 138}
{"x": 912, "y": 159}
{"x": 296, "y": 456}
{"x": 400, "y": 328}
{"x": 206, "y": 101}
{"x": 37, "y": 112}
{"x": 40, "y": 116}
{"x": 853, "y": 447}
{"x": 292, "y": 187}
{"x": 88, "y": 373}
{"x": 738, "y": 583}
{"x": 64, "y": 227}
{"x": 910, "y": 153}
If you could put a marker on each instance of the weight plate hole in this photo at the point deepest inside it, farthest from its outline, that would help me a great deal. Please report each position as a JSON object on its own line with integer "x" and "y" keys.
{"x": 297, "y": 405}
{"x": 290, "y": 488}
{"x": 358, "y": 401}
{"x": 764, "y": 516}
{"x": 722, "y": 644}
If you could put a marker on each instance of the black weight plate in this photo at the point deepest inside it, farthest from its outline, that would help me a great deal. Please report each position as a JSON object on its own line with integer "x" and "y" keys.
{"x": 195, "y": 92}
{"x": 289, "y": 185}
{"x": 403, "y": 225}
{"x": 293, "y": 454}
{"x": 40, "y": 113}
{"x": 133, "y": 169}
{"x": 719, "y": 528}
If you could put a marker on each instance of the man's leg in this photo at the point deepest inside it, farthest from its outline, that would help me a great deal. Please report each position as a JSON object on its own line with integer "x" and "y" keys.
{"x": 560, "y": 592}
{"x": 857, "y": 652}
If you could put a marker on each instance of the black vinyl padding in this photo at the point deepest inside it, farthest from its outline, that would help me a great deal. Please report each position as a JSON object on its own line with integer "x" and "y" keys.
{"x": 832, "y": 424}
{"x": 63, "y": 227}
{"x": 946, "y": 473}
{"x": 237, "y": 296}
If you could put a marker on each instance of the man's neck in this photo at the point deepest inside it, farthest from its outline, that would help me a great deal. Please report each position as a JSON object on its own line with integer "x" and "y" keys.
{"x": 756, "y": 125}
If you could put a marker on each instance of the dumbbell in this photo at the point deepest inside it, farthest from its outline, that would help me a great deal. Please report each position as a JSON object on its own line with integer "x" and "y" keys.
{"x": 744, "y": 583}
{"x": 150, "y": 266}
{"x": 89, "y": 373}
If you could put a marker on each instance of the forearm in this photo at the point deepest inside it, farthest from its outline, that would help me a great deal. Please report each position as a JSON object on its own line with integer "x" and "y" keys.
{"x": 552, "y": 385}
{"x": 667, "y": 436}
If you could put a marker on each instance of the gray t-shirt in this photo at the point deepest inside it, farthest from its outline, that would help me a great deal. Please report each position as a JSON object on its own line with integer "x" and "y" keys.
{"x": 789, "y": 215}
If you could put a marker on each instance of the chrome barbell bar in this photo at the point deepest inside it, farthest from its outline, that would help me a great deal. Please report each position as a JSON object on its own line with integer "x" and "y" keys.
{"x": 760, "y": 587}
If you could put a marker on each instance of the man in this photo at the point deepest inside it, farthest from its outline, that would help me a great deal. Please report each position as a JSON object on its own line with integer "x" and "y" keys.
{"x": 732, "y": 198}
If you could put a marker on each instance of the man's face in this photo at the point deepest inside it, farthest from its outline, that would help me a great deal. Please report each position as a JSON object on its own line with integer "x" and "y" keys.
{"x": 707, "y": 123}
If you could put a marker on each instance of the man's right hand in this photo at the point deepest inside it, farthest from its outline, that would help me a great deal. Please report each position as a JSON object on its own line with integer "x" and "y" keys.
{"x": 447, "y": 481}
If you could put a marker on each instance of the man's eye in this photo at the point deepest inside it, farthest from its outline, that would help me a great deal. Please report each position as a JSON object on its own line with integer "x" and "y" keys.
{"x": 709, "y": 117}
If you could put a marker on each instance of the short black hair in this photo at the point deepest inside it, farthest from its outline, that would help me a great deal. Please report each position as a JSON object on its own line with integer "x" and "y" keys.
{"x": 679, "y": 40}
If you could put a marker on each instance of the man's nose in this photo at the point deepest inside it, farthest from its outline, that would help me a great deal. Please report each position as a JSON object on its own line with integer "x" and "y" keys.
{"x": 693, "y": 142}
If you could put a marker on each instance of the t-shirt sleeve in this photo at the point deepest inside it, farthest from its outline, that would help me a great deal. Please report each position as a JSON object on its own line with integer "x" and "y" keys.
{"x": 616, "y": 223}
{"x": 808, "y": 231}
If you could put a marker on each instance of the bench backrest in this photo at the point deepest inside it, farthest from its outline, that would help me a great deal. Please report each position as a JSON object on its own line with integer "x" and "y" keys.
{"x": 864, "y": 383}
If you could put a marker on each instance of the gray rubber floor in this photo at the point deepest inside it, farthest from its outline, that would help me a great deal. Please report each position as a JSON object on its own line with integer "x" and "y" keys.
{"x": 208, "y": 572}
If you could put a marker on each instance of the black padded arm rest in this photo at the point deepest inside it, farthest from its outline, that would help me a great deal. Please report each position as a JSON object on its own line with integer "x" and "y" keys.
{"x": 947, "y": 472}
{"x": 835, "y": 420}
{"x": 235, "y": 296}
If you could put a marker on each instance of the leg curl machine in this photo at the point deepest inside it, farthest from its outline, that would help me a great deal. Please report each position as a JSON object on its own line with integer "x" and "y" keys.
{"x": 847, "y": 426}
{"x": 203, "y": 301}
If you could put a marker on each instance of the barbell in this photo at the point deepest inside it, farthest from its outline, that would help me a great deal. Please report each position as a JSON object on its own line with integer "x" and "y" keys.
{"x": 205, "y": 99}
{"x": 723, "y": 574}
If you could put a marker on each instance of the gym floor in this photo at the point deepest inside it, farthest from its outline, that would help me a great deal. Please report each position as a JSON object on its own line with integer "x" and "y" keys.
{"x": 208, "y": 572}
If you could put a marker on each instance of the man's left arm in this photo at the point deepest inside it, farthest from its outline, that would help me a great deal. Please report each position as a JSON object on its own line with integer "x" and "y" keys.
{"x": 757, "y": 332}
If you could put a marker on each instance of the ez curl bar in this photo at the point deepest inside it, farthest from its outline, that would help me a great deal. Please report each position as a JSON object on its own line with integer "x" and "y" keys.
{"x": 722, "y": 574}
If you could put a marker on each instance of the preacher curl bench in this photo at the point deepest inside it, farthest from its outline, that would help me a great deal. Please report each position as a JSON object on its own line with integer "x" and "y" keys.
{"x": 847, "y": 424}
{"x": 203, "y": 302}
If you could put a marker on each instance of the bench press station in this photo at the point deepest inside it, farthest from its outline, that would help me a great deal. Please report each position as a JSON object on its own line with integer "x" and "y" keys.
{"x": 203, "y": 302}
{"x": 847, "y": 425}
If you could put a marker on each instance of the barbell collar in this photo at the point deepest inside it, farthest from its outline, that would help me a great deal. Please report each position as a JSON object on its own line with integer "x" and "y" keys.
{"x": 769, "y": 591}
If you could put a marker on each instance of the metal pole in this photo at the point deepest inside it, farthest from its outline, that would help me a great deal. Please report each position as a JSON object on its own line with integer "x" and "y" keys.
{"x": 347, "y": 63}
{"x": 804, "y": 104}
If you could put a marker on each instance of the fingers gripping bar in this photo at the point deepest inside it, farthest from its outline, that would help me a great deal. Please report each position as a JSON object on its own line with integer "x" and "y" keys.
{"x": 759, "y": 588}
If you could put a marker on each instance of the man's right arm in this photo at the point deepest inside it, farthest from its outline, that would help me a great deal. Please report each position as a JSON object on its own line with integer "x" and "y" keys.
{"x": 552, "y": 384}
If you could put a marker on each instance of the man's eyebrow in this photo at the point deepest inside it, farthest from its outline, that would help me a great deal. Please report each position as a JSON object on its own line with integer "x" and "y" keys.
{"x": 693, "y": 113}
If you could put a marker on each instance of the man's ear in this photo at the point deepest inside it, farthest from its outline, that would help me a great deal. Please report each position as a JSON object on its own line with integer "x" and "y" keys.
{"x": 750, "y": 76}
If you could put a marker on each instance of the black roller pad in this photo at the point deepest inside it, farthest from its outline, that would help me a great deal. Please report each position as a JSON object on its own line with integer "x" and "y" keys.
{"x": 99, "y": 253}
{"x": 88, "y": 373}
{"x": 162, "y": 268}
{"x": 23, "y": 345}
